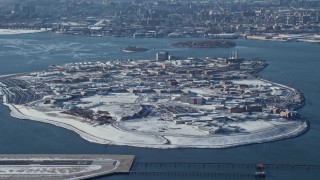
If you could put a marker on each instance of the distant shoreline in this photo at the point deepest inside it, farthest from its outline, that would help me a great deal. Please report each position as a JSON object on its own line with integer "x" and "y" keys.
{"x": 19, "y": 31}
{"x": 258, "y": 38}
{"x": 206, "y": 44}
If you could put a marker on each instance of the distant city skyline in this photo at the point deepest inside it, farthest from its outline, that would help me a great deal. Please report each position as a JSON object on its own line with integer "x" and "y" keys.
{"x": 140, "y": 18}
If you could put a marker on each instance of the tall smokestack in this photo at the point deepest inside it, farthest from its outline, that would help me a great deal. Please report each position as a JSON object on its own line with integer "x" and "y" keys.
{"x": 237, "y": 54}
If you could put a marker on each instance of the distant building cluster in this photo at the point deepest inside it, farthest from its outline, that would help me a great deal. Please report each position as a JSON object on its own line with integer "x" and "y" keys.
{"x": 166, "y": 18}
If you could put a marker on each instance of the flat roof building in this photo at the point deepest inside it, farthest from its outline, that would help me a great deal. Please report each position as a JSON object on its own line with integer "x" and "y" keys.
{"x": 162, "y": 56}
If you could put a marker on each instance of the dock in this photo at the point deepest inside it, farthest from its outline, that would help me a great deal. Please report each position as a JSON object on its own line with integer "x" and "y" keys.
{"x": 58, "y": 166}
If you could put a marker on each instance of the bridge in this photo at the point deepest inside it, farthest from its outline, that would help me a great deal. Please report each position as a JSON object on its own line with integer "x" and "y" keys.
{"x": 232, "y": 170}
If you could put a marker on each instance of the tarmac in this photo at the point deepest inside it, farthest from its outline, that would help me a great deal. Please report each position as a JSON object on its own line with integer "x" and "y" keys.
{"x": 58, "y": 166}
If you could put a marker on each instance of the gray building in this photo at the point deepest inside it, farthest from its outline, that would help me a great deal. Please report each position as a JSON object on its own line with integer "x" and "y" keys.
{"x": 162, "y": 56}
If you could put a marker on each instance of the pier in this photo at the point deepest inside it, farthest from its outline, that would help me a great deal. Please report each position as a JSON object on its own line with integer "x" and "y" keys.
{"x": 226, "y": 165}
{"x": 231, "y": 170}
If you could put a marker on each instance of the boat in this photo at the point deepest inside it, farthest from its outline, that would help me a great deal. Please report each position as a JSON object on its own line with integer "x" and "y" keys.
{"x": 261, "y": 174}
{"x": 260, "y": 171}
{"x": 134, "y": 49}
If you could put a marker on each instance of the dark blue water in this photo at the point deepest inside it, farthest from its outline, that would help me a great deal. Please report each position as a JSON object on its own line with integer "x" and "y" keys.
{"x": 294, "y": 64}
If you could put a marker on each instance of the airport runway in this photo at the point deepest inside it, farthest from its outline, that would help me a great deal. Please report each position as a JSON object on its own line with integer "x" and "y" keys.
{"x": 62, "y": 166}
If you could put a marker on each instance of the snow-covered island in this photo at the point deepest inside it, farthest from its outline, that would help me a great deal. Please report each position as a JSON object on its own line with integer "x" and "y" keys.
{"x": 193, "y": 103}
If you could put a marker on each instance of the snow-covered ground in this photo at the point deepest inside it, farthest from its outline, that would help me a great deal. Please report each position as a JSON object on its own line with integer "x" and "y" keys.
{"x": 154, "y": 126}
{"x": 145, "y": 132}
{"x": 117, "y": 104}
{"x": 18, "y": 31}
{"x": 254, "y": 82}
{"x": 112, "y": 98}
{"x": 105, "y": 134}
{"x": 272, "y": 134}
{"x": 46, "y": 170}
